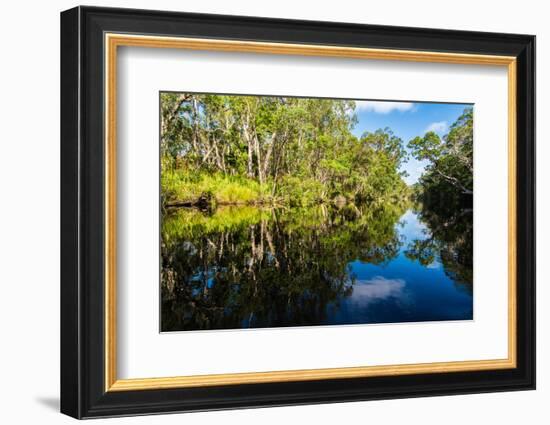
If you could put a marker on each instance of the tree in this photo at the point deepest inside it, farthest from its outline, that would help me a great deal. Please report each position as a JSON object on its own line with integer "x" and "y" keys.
{"x": 451, "y": 158}
{"x": 445, "y": 191}
{"x": 289, "y": 146}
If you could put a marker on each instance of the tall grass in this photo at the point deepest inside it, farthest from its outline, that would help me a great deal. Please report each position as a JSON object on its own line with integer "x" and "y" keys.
{"x": 293, "y": 191}
{"x": 225, "y": 189}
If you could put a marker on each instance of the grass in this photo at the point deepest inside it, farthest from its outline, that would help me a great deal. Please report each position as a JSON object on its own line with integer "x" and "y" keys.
{"x": 293, "y": 191}
{"x": 225, "y": 189}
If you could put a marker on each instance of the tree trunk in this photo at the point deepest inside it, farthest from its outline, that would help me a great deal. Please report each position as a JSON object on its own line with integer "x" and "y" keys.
{"x": 267, "y": 158}
{"x": 247, "y": 137}
{"x": 195, "y": 126}
{"x": 258, "y": 158}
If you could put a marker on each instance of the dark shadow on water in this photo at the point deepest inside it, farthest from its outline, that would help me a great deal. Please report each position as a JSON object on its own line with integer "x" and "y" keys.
{"x": 49, "y": 402}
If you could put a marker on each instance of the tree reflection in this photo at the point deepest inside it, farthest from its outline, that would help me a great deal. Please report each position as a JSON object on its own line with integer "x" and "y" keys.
{"x": 445, "y": 191}
{"x": 251, "y": 267}
{"x": 449, "y": 220}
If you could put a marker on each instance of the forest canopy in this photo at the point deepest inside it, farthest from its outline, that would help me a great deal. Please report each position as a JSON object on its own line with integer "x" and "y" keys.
{"x": 256, "y": 150}
{"x": 276, "y": 150}
{"x": 450, "y": 158}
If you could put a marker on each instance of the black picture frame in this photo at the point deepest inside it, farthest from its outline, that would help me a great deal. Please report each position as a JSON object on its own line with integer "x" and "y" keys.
{"x": 83, "y": 392}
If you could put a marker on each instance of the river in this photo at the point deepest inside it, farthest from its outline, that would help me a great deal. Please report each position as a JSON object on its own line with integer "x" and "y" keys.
{"x": 245, "y": 267}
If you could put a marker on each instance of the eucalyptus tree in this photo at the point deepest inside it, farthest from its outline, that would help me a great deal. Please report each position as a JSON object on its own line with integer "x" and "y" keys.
{"x": 290, "y": 146}
{"x": 450, "y": 158}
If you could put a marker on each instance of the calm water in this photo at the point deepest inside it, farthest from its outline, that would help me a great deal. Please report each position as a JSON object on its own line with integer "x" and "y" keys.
{"x": 249, "y": 268}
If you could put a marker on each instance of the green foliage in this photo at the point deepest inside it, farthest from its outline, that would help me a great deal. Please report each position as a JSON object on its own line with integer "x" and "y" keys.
{"x": 450, "y": 170}
{"x": 296, "y": 152}
{"x": 179, "y": 185}
{"x": 300, "y": 192}
{"x": 443, "y": 197}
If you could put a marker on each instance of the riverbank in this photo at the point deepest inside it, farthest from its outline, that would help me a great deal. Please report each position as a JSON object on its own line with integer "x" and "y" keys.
{"x": 208, "y": 190}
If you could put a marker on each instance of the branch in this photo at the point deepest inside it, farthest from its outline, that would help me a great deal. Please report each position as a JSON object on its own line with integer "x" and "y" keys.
{"x": 454, "y": 181}
{"x": 182, "y": 98}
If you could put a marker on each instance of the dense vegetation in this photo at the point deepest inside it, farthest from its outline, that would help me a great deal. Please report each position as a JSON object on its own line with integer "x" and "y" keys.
{"x": 450, "y": 170}
{"x": 273, "y": 150}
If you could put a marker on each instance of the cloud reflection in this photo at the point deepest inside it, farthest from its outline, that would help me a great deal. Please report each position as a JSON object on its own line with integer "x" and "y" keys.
{"x": 377, "y": 288}
{"x": 435, "y": 264}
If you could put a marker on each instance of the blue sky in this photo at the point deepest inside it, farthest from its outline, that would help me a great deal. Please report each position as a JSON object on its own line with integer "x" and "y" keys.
{"x": 407, "y": 120}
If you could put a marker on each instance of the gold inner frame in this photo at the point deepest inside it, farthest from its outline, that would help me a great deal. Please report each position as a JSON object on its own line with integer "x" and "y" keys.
{"x": 113, "y": 41}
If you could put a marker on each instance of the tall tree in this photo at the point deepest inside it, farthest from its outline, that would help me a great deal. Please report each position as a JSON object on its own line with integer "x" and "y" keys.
{"x": 451, "y": 157}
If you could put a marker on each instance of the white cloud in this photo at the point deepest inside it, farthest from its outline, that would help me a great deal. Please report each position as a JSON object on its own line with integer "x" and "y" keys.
{"x": 382, "y": 107}
{"x": 439, "y": 127}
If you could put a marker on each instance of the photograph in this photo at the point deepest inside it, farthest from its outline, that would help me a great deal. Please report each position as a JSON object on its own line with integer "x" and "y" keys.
{"x": 282, "y": 211}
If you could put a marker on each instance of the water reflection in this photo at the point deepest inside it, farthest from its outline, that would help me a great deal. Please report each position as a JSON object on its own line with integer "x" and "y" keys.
{"x": 250, "y": 267}
{"x": 377, "y": 288}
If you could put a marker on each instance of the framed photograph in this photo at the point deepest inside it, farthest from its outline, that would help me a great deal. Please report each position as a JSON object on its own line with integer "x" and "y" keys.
{"x": 261, "y": 212}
